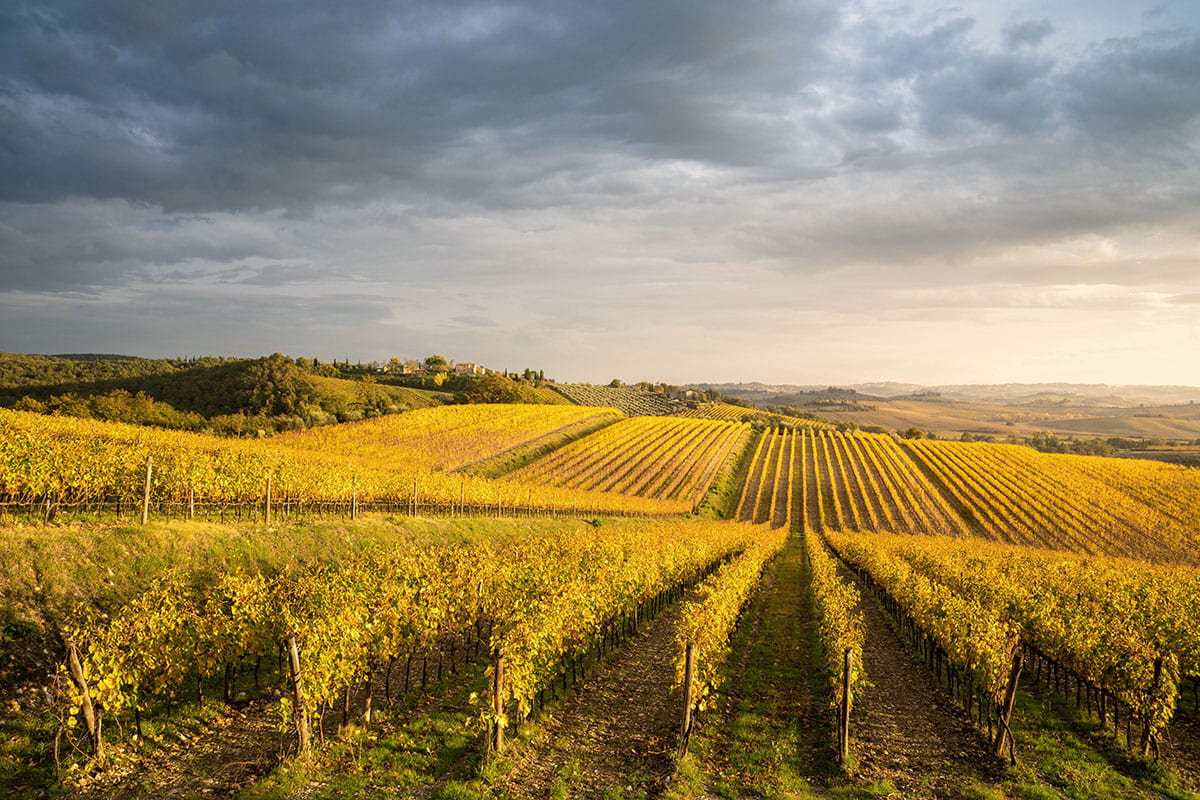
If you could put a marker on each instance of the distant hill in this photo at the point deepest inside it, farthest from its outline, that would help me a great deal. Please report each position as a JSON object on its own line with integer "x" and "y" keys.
{"x": 228, "y": 395}
{"x": 1020, "y": 412}
{"x": 1088, "y": 394}
{"x": 19, "y": 372}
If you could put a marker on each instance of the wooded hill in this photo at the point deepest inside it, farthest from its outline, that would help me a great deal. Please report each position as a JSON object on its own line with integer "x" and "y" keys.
{"x": 223, "y": 395}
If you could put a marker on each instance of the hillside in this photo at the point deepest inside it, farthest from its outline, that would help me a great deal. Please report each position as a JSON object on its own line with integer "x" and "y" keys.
{"x": 227, "y": 396}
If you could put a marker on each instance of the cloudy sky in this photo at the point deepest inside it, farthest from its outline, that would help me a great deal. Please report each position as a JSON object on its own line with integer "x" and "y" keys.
{"x": 806, "y": 192}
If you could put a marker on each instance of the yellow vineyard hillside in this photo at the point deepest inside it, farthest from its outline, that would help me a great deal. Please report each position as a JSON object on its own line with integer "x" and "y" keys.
{"x": 671, "y": 458}
{"x": 825, "y": 480}
{"x": 1013, "y": 494}
{"x": 66, "y": 461}
{"x": 443, "y": 438}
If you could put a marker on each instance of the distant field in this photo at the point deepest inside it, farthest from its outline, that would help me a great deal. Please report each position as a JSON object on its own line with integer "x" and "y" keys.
{"x": 949, "y": 419}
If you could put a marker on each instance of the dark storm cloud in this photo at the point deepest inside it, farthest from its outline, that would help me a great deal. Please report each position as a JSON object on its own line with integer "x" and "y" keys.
{"x": 81, "y": 244}
{"x": 1140, "y": 93}
{"x": 266, "y": 105}
{"x": 1029, "y": 33}
{"x": 194, "y": 321}
{"x": 487, "y": 171}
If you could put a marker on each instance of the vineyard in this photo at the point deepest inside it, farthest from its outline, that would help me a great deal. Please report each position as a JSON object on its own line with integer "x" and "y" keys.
{"x": 821, "y": 479}
{"x": 632, "y": 402}
{"x": 993, "y": 562}
{"x": 542, "y": 601}
{"x": 732, "y": 413}
{"x": 1122, "y": 632}
{"x": 666, "y": 458}
{"x": 1013, "y": 494}
{"x": 441, "y": 439}
{"x": 54, "y": 463}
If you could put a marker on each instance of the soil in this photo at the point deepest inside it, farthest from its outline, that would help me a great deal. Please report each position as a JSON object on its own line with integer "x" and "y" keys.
{"x": 905, "y": 729}
{"x": 617, "y": 729}
{"x": 229, "y": 754}
{"x": 1181, "y": 751}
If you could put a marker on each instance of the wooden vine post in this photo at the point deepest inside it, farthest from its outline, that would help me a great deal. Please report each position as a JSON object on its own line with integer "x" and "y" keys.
{"x": 91, "y": 714}
{"x": 495, "y": 742}
{"x": 354, "y": 500}
{"x": 689, "y": 680}
{"x": 146, "y": 491}
{"x": 1147, "y": 734}
{"x": 844, "y": 710}
{"x": 303, "y": 737}
{"x": 1004, "y": 731}
{"x": 267, "y": 504}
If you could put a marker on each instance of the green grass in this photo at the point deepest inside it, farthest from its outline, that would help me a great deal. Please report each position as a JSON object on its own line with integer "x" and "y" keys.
{"x": 722, "y": 498}
{"x": 753, "y": 744}
{"x": 432, "y": 742}
{"x": 1062, "y": 754}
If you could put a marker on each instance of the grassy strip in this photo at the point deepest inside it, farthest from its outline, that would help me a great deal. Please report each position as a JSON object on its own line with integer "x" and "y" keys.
{"x": 721, "y": 500}
{"x": 709, "y": 620}
{"x": 1062, "y": 754}
{"x": 524, "y": 454}
{"x": 759, "y": 741}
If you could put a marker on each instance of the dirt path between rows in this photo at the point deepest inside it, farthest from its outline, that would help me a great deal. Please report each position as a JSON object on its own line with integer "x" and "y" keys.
{"x": 229, "y": 754}
{"x": 1182, "y": 751}
{"x": 617, "y": 730}
{"x": 905, "y": 729}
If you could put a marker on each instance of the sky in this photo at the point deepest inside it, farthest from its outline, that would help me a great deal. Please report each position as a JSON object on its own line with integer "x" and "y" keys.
{"x": 789, "y": 192}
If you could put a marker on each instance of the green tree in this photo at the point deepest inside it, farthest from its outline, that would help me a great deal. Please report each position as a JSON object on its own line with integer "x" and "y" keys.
{"x": 275, "y": 386}
{"x": 495, "y": 389}
{"x": 371, "y": 397}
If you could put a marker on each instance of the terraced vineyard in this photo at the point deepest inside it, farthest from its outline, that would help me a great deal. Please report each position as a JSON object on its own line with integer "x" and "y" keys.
{"x": 630, "y": 401}
{"x": 666, "y": 458}
{"x": 727, "y": 411}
